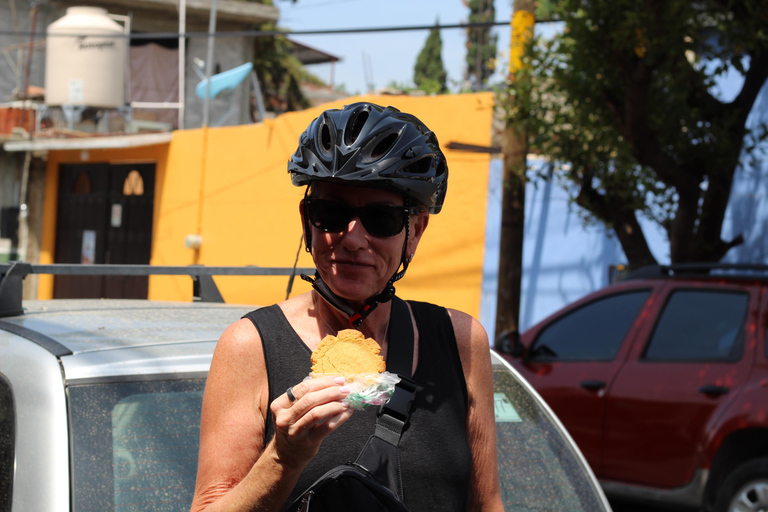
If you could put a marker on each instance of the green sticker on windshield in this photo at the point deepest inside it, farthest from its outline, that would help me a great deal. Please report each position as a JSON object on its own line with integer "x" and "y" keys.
{"x": 505, "y": 411}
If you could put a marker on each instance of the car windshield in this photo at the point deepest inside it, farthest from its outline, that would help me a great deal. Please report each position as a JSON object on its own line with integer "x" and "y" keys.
{"x": 539, "y": 467}
{"x": 134, "y": 447}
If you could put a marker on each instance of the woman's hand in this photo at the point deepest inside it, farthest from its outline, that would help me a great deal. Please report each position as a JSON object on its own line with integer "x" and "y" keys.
{"x": 301, "y": 425}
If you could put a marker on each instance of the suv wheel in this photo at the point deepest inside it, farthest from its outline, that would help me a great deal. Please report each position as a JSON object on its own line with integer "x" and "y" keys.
{"x": 745, "y": 489}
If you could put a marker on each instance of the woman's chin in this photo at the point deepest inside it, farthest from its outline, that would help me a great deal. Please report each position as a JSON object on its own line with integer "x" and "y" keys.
{"x": 352, "y": 290}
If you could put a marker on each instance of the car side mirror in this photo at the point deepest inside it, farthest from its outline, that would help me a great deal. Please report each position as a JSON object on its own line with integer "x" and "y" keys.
{"x": 508, "y": 342}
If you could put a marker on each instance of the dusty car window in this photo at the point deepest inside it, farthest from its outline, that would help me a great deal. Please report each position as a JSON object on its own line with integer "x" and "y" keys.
{"x": 700, "y": 326}
{"x": 134, "y": 445}
{"x": 593, "y": 332}
{"x": 538, "y": 469}
{"x": 7, "y": 442}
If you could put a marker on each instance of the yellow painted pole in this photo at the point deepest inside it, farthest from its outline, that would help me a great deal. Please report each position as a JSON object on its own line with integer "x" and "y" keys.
{"x": 523, "y": 20}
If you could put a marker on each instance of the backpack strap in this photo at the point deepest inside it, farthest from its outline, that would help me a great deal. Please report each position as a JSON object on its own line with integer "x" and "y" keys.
{"x": 380, "y": 455}
{"x": 393, "y": 415}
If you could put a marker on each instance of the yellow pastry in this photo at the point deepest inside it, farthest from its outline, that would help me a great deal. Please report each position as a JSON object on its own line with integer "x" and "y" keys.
{"x": 348, "y": 352}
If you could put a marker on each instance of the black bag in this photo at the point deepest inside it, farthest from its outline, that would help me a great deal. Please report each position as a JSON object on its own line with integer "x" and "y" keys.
{"x": 349, "y": 488}
{"x": 373, "y": 482}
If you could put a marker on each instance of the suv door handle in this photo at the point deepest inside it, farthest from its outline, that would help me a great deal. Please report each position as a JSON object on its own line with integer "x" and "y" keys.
{"x": 593, "y": 385}
{"x": 712, "y": 389}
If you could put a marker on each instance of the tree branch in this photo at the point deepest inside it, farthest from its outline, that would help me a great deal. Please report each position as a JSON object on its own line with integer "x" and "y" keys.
{"x": 621, "y": 217}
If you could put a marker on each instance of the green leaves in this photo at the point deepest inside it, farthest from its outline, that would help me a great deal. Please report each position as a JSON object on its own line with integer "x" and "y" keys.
{"x": 481, "y": 43}
{"x": 623, "y": 100}
{"x": 429, "y": 74}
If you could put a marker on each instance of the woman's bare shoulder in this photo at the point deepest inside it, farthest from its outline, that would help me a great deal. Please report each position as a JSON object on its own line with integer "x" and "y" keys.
{"x": 240, "y": 338}
{"x": 467, "y": 328}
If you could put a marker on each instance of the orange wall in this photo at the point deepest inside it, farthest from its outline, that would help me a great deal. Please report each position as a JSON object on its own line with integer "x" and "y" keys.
{"x": 249, "y": 215}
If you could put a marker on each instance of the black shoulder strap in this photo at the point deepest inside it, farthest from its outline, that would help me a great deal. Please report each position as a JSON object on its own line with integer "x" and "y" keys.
{"x": 395, "y": 413}
{"x": 400, "y": 353}
{"x": 380, "y": 455}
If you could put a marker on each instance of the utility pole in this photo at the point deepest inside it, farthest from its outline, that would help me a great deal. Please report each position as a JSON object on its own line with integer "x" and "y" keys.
{"x": 515, "y": 148}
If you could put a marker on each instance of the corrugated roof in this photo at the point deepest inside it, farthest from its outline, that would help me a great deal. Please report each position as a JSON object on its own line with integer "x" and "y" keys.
{"x": 308, "y": 55}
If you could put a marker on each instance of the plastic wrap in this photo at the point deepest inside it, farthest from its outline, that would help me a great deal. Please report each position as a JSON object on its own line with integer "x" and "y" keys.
{"x": 367, "y": 389}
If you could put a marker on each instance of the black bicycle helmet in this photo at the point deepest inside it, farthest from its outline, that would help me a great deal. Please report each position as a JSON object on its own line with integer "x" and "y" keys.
{"x": 369, "y": 145}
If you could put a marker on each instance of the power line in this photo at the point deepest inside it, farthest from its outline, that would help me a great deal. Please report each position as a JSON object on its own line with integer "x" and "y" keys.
{"x": 323, "y": 4}
{"x": 268, "y": 33}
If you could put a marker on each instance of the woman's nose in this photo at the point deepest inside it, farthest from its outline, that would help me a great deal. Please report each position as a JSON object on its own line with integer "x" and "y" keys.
{"x": 355, "y": 234}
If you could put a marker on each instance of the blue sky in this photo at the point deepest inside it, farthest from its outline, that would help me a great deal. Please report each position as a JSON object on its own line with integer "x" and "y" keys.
{"x": 391, "y": 55}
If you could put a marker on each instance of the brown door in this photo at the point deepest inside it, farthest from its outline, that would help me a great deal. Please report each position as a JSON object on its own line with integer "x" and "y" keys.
{"x": 104, "y": 216}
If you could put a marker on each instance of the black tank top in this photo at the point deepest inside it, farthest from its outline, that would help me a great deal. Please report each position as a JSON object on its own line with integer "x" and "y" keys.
{"x": 435, "y": 458}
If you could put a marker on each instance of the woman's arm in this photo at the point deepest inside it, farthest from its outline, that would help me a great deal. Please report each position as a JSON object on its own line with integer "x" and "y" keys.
{"x": 235, "y": 470}
{"x": 481, "y": 421}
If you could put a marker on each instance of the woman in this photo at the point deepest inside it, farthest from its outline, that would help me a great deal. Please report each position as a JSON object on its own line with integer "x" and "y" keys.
{"x": 373, "y": 177}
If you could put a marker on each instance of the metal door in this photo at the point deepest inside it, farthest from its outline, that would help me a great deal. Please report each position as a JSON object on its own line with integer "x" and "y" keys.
{"x": 104, "y": 215}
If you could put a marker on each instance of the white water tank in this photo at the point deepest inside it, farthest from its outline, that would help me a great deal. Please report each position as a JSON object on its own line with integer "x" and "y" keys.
{"x": 82, "y": 66}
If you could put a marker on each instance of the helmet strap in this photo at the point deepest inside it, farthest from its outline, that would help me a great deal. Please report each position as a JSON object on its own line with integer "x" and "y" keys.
{"x": 307, "y": 227}
{"x": 355, "y": 317}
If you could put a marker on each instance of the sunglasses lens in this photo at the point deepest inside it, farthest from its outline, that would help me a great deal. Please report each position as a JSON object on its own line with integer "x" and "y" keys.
{"x": 383, "y": 221}
{"x": 333, "y": 217}
{"x": 330, "y": 216}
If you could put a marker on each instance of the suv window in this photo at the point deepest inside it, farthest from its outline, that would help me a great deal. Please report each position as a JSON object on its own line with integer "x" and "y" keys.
{"x": 593, "y": 332}
{"x": 700, "y": 325}
{"x": 7, "y": 442}
{"x": 135, "y": 444}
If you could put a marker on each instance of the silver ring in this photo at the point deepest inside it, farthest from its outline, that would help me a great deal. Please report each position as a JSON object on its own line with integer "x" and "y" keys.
{"x": 290, "y": 394}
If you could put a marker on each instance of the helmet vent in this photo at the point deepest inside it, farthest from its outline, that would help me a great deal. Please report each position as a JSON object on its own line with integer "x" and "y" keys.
{"x": 325, "y": 138}
{"x": 379, "y": 146}
{"x": 383, "y": 146}
{"x": 355, "y": 126}
{"x": 420, "y": 166}
{"x": 441, "y": 168}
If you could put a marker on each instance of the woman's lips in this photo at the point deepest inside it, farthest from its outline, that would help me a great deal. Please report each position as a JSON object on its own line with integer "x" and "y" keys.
{"x": 352, "y": 264}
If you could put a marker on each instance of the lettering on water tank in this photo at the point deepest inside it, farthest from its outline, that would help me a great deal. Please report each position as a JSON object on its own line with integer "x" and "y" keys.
{"x": 75, "y": 90}
{"x": 89, "y": 44}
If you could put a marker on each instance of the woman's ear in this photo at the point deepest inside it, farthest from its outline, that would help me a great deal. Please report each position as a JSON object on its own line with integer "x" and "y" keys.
{"x": 419, "y": 224}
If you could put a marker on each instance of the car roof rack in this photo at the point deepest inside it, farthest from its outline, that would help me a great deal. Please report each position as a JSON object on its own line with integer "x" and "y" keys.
{"x": 204, "y": 288}
{"x": 731, "y": 270}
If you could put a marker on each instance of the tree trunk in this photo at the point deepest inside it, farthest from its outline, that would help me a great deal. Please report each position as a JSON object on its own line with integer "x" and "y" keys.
{"x": 512, "y": 224}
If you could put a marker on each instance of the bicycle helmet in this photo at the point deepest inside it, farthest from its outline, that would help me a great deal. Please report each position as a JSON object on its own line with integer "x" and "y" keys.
{"x": 372, "y": 146}
{"x": 367, "y": 145}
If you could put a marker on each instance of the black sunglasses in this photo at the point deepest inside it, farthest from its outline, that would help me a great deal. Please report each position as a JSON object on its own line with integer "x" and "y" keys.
{"x": 381, "y": 221}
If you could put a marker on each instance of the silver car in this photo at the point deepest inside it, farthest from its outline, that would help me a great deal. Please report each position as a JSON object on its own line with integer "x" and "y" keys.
{"x": 100, "y": 407}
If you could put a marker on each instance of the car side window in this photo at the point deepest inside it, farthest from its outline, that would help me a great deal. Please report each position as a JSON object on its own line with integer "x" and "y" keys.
{"x": 7, "y": 444}
{"x": 594, "y": 332}
{"x": 700, "y": 325}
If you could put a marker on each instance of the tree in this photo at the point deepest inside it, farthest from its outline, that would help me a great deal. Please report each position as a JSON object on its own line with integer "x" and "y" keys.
{"x": 623, "y": 101}
{"x": 481, "y": 44}
{"x": 280, "y": 73}
{"x": 429, "y": 73}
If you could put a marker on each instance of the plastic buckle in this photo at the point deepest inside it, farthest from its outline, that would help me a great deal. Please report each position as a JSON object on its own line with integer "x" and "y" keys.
{"x": 399, "y": 405}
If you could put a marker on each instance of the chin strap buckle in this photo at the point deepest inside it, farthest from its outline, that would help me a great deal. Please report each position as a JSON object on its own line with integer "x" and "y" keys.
{"x": 355, "y": 317}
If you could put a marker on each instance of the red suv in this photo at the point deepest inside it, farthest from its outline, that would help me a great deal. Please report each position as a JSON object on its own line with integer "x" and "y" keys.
{"x": 662, "y": 380}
